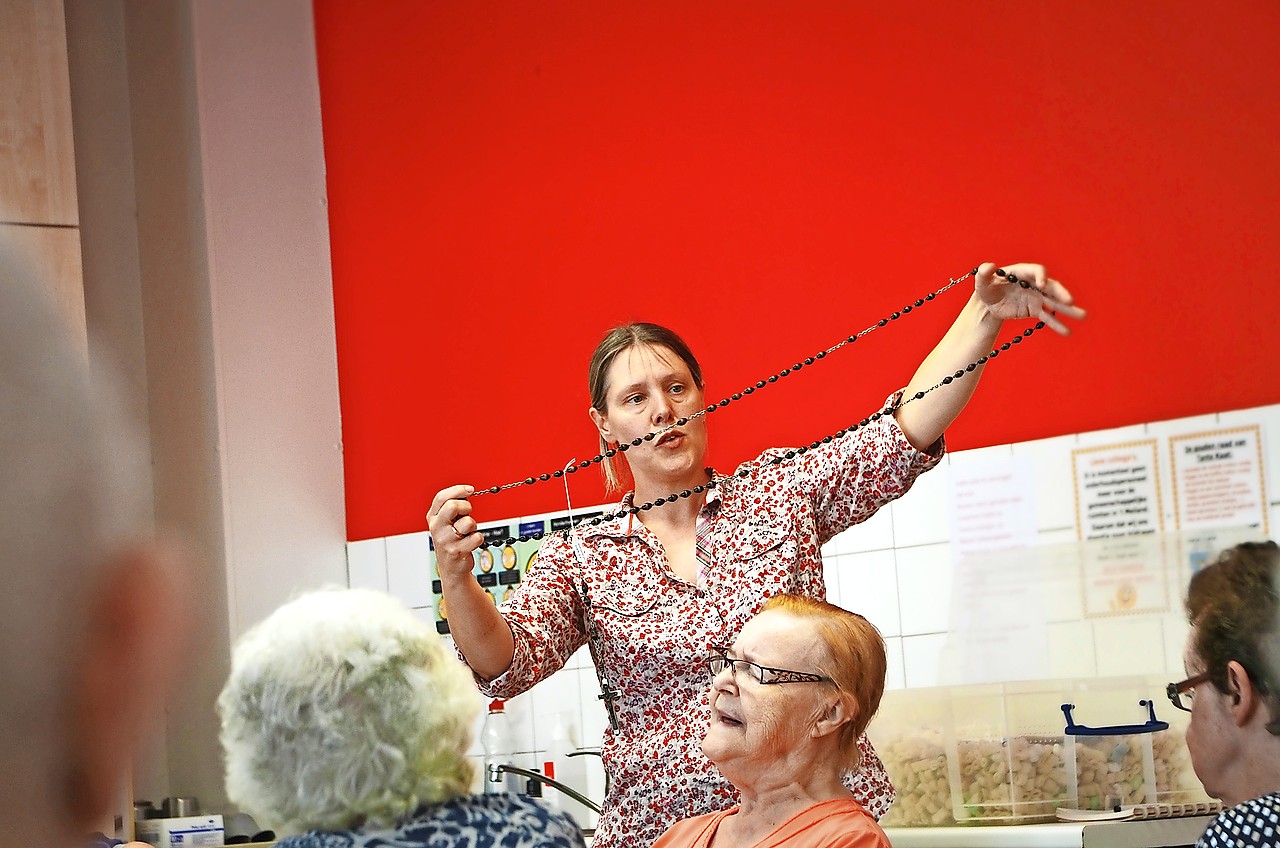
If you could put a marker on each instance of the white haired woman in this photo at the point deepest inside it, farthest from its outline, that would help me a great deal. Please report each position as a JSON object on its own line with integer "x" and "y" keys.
{"x": 789, "y": 701}
{"x": 345, "y": 722}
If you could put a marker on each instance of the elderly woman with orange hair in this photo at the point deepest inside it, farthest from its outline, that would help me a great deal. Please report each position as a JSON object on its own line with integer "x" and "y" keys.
{"x": 789, "y": 700}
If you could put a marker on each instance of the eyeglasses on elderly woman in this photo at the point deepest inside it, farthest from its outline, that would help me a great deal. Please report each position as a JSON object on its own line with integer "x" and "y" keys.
{"x": 1183, "y": 694}
{"x": 718, "y": 659}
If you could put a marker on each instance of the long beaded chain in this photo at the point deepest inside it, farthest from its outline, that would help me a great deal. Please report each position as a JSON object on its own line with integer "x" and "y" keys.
{"x": 736, "y": 396}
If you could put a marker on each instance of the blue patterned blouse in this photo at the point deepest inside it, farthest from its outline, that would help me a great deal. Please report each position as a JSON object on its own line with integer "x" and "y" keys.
{"x": 473, "y": 821}
{"x": 1252, "y": 823}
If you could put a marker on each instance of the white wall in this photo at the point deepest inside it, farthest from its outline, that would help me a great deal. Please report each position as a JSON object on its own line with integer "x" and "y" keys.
{"x": 897, "y": 569}
{"x": 202, "y": 200}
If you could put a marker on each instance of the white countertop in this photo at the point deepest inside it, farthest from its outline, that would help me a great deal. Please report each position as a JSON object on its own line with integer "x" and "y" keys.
{"x": 1145, "y": 833}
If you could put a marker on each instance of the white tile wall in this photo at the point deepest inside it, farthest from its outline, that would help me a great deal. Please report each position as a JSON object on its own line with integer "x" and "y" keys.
{"x": 367, "y": 564}
{"x": 895, "y": 569}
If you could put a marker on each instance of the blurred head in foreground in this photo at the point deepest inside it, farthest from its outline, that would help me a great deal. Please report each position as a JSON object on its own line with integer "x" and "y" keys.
{"x": 92, "y": 609}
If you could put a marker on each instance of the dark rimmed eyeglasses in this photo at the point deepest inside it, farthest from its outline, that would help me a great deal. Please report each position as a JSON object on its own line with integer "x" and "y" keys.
{"x": 718, "y": 659}
{"x": 1183, "y": 694}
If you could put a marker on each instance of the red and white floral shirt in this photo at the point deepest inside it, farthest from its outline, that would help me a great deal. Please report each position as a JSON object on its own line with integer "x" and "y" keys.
{"x": 652, "y": 629}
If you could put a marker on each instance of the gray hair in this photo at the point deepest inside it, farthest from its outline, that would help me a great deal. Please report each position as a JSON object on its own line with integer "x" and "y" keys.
{"x": 342, "y": 710}
{"x": 70, "y": 495}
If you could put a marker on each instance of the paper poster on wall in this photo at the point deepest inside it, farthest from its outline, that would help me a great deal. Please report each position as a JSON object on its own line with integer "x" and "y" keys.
{"x": 1217, "y": 479}
{"x": 1117, "y": 490}
{"x": 1125, "y": 575}
{"x": 999, "y": 629}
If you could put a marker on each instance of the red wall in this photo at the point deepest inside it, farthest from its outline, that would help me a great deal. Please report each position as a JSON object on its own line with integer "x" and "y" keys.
{"x": 507, "y": 180}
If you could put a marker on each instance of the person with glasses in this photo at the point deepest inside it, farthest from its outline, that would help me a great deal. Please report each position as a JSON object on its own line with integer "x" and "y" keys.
{"x": 650, "y": 588}
{"x": 1233, "y": 667}
{"x": 789, "y": 701}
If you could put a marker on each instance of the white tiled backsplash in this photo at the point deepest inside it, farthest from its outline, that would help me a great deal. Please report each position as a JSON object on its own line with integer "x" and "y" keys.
{"x": 897, "y": 570}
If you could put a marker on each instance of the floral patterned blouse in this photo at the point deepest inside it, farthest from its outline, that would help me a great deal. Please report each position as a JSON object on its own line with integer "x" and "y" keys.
{"x": 650, "y": 629}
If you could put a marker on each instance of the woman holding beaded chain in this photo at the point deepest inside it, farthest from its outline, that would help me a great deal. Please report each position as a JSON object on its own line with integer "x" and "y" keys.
{"x": 652, "y": 589}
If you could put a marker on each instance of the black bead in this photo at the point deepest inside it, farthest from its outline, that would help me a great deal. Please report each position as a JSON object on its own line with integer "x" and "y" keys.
{"x": 919, "y": 302}
{"x": 797, "y": 366}
{"x": 523, "y": 539}
{"x": 864, "y": 422}
{"x": 724, "y": 402}
{"x": 826, "y": 440}
{"x": 698, "y": 489}
{"x": 790, "y": 454}
{"x": 557, "y": 474}
{"x": 633, "y": 510}
{"x": 999, "y": 272}
{"x": 773, "y": 378}
{"x": 919, "y": 395}
{"x": 958, "y": 374}
{"x": 711, "y": 484}
{"x": 982, "y": 360}
{"x": 636, "y": 442}
{"x": 528, "y": 481}
{"x": 648, "y": 437}
{"x": 784, "y": 372}
{"x": 711, "y": 408}
{"x": 895, "y": 316}
{"x": 646, "y": 506}
{"x": 1039, "y": 325}
{"x": 545, "y": 477}
{"x": 624, "y": 447}
{"x": 882, "y": 322}
{"x": 851, "y": 339}
{"x": 760, "y": 384}
{"x": 686, "y": 493}
{"x": 1027, "y": 332}
{"x": 680, "y": 422}
{"x": 930, "y": 296}
{"x": 571, "y": 469}
{"x": 509, "y": 541}
{"x": 610, "y": 453}
{"x": 736, "y": 396}
{"x": 822, "y": 354}
{"x": 1005, "y": 346}
{"x": 907, "y": 309}
{"x": 946, "y": 381}
{"x": 493, "y": 490}
{"x": 749, "y": 390}
{"x": 970, "y": 366}
{"x": 814, "y": 445}
{"x": 808, "y": 361}
{"x": 1016, "y": 340}
{"x": 744, "y": 472}
{"x": 584, "y": 464}
{"x": 993, "y": 354}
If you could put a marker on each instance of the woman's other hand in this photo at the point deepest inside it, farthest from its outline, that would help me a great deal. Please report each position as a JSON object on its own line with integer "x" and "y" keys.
{"x": 1044, "y": 300}
{"x": 454, "y": 531}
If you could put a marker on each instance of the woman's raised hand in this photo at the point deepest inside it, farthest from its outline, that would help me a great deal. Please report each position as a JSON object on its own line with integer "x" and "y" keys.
{"x": 1045, "y": 300}
{"x": 453, "y": 531}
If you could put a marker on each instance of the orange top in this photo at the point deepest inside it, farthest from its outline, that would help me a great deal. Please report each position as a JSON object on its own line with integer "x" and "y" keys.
{"x": 841, "y": 823}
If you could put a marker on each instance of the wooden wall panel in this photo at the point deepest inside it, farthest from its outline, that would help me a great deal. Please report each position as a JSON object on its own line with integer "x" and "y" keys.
{"x": 37, "y": 164}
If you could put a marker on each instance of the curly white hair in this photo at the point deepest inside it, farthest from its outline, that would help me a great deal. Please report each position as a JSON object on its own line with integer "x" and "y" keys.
{"x": 342, "y": 710}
